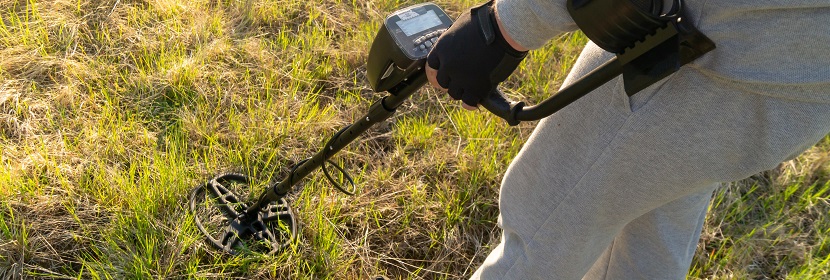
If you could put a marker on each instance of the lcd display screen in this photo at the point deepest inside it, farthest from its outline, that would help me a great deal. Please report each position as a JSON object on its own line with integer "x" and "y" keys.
{"x": 419, "y": 23}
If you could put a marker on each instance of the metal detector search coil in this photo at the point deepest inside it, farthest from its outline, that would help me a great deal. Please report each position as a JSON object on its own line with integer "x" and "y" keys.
{"x": 267, "y": 224}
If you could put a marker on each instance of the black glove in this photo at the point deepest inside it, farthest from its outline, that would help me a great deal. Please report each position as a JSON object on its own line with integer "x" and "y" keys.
{"x": 472, "y": 57}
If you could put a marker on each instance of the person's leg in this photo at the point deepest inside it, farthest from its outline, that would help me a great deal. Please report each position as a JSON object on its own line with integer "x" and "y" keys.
{"x": 671, "y": 231}
{"x": 606, "y": 160}
{"x": 510, "y": 248}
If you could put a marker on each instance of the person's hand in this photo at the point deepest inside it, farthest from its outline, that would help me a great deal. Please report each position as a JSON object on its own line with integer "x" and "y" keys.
{"x": 473, "y": 56}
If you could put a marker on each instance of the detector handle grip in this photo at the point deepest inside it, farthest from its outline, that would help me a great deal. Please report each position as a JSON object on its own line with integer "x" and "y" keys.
{"x": 502, "y": 106}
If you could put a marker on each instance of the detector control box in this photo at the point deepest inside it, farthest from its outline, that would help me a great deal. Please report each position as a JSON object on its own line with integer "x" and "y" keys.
{"x": 402, "y": 44}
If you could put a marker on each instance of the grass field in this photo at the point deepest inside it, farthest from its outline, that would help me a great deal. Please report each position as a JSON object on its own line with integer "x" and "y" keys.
{"x": 112, "y": 111}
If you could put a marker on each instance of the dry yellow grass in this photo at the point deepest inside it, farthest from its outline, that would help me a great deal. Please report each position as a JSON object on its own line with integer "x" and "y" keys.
{"x": 111, "y": 111}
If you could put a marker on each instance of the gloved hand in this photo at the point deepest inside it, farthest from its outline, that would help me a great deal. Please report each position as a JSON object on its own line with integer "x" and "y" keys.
{"x": 472, "y": 57}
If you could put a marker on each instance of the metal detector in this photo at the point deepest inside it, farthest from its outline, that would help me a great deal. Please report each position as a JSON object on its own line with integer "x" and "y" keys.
{"x": 649, "y": 46}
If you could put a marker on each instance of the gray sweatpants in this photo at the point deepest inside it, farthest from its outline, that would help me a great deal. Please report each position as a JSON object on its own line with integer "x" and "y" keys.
{"x": 613, "y": 187}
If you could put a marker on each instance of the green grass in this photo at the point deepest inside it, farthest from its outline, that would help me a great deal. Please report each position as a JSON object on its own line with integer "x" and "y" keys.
{"x": 112, "y": 111}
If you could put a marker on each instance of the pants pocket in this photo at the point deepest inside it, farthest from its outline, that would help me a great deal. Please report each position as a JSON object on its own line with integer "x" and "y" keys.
{"x": 641, "y": 98}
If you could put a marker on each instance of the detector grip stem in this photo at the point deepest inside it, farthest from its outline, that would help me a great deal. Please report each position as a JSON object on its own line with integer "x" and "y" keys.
{"x": 501, "y": 106}
{"x": 515, "y": 112}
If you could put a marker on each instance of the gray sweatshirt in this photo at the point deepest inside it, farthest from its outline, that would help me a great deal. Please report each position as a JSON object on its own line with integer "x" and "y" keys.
{"x": 773, "y": 47}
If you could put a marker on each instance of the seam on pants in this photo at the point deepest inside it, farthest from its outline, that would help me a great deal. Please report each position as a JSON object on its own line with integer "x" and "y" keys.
{"x": 630, "y": 118}
{"x": 610, "y": 255}
{"x": 700, "y": 15}
{"x": 515, "y": 260}
{"x": 570, "y": 192}
{"x": 616, "y": 135}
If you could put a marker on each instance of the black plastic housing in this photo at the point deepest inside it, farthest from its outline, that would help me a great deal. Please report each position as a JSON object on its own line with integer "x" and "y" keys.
{"x": 614, "y": 25}
{"x": 391, "y": 57}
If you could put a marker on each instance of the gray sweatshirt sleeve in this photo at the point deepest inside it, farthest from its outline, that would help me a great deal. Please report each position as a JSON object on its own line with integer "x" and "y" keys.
{"x": 532, "y": 23}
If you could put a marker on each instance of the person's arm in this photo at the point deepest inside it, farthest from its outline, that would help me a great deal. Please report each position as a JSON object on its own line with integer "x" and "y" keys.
{"x": 507, "y": 37}
{"x": 532, "y": 23}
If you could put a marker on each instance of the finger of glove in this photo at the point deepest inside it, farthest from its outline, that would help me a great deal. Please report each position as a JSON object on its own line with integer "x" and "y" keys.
{"x": 443, "y": 78}
{"x": 456, "y": 92}
{"x": 471, "y": 99}
{"x": 432, "y": 58}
